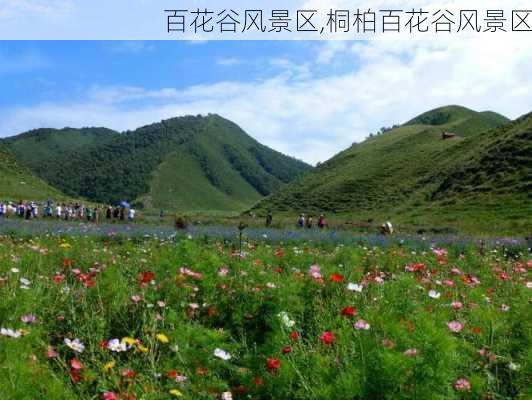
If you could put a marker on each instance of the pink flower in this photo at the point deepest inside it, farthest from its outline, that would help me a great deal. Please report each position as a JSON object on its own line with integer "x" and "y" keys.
{"x": 462, "y": 384}
{"x": 361, "y": 325}
{"x": 410, "y": 352}
{"x": 223, "y": 271}
{"x": 28, "y": 319}
{"x": 75, "y": 364}
{"x": 136, "y": 298}
{"x": 440, "y": 252}
{"x": 455, "y": 271}
{"x": 457, "y": 305}
{"x": 109, "y": 396}
{"x": 315, "y": 272}
{"x": 455, "y": 326}
{"x": 51, "y": 353}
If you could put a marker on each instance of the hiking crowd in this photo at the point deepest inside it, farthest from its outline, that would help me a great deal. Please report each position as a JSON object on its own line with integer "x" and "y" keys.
{"x": 65, "y": 211}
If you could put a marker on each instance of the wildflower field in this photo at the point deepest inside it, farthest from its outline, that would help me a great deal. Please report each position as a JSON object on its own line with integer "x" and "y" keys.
{"x": 136, "y": 318}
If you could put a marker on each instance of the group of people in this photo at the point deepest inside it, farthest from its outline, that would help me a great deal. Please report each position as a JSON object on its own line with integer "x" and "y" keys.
{"x": 307, "y": 221}
{"x": 65, "y": 211}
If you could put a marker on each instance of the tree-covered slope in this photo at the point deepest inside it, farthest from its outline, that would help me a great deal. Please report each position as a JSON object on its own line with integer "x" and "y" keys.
{"x": 18, "y": 183}
{"x": 36, "y": 146}
{"x": 411, "y": 170}
{"x": 192, "y": 163}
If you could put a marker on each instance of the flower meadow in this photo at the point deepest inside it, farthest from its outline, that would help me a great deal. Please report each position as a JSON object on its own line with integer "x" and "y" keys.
{"x": 137, "y": 318}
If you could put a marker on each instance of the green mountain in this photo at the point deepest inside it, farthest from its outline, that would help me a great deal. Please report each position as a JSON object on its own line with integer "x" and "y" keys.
{"x": 410, "y": 174}
{"x": 192, "y": 163}
{"x": 18, "y": 183}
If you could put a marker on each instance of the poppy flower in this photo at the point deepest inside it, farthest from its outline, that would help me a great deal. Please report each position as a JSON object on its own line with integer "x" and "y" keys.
{"x": 273, "y": 364}
{"x": 146, "y": 277}
{"x": 294, "y": 335}
{"x": 349, "y": 311}
{"x": 327, "y": 337}
{"x": 337, "y": 278}
{"x": 287, "y": 349}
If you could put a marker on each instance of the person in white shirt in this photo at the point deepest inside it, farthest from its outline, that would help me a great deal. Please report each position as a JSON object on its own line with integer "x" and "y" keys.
{"x": 131, "y": 214}
{"x": 58, "y": 211}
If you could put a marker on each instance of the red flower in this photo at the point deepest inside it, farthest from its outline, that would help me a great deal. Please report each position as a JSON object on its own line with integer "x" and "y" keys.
{"x": 171, "y": 374}
{"x": 128, "y": 373}
{"x": 67, "y": 262}
{"x": 287, "y": 349}
{"x": 327, "y": 337}
{"x": 59, "y": 278}
{"x": 337, "y": 278}
{"x": 258, "y": 381}
{"x": 146, "y": 277}
{"x": 273, "y": 364}
{"x": 349, "y": 311}
{"x": 294, "y": 335}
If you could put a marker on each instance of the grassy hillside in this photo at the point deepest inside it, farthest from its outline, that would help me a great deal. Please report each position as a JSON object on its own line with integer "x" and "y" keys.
{"x": 411, "y": 175}
{"x": 191, "y": 163}
{"x": 18, "y": 183}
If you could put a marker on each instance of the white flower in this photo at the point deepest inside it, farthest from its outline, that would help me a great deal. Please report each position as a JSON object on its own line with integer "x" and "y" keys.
{"x": 227, "y": 396}
{"x": 11, "y": 333}
{"x": 354, "y": 287}
{"x": 513, "y": 366}
{"x": 285, "y": 319}
{"x": 222, "y": 354}
{"x": 25, "y": 282}
{"x": 271, "y": 285}
{"x": 117, "y": 345}
{"x": 434, "y": 294}
{"x": 15, "y": 270}
{"x": 75, "y": 345}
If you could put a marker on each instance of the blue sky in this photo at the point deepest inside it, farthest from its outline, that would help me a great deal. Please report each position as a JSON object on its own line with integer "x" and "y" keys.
{"x": 307, "y": 99}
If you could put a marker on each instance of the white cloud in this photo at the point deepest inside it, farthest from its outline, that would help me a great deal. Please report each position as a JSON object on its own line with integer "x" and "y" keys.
{"x": 313, "y": 116}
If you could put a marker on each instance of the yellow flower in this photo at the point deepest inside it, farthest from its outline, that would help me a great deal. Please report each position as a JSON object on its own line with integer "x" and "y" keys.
{"x": 65, "y": 245}
{"x": 129, "y": 341}
{"x": 107, "y": 367}
{"x": 176, "y": 393}
{"x": 142, "y": 348}
{"x": 161, "y": 337}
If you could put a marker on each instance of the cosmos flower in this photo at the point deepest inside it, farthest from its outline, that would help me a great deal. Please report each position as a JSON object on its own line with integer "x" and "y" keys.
{"x": 354, "y": 287}
{"x": 222, "y": 354}
{"x": 434, "y": 294}
{"x": 28, "y": 319}
{"x": 285, "y": 319}
{"x": 457, "y": 305}
{"x": 462, "y": 384}
{"x": 12, "y": 333}
{"x": 109, "y": 396}
{"x": 410, "y": 352}
{"x": 75, "y": 345}
{"x": 361, "y": 325}
{"x": 455, "y": 326}
{"x": 327, "y": 338}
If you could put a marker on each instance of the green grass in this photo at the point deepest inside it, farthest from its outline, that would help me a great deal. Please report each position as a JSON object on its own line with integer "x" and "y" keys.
{"x": 239, "y": 312}
{"x": 411, "y": 174}
{"x": 18, "y": 183}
